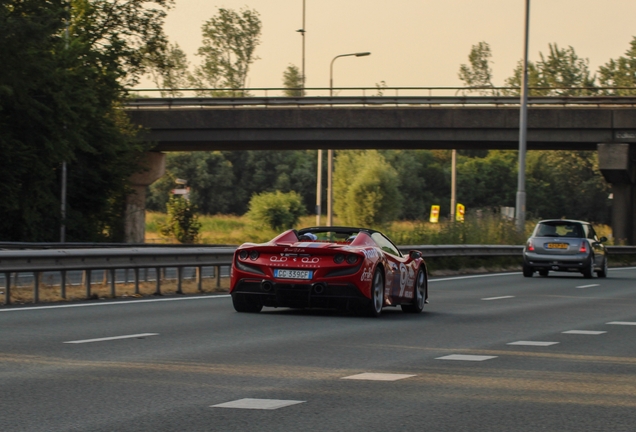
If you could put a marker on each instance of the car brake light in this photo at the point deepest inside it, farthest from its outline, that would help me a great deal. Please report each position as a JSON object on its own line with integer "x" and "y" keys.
{"x": 583, "y": 247}
{"x": 530, "y": 246}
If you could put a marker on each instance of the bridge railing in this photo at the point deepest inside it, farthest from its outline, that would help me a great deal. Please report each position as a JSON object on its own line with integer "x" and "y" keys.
{"x": 198, "y": 257}
{"x": 377, "y": 96}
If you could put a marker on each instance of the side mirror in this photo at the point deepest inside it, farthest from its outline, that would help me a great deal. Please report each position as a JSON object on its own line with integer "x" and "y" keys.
{"x": 415, "y": 254}
{"x": 603, "y": 239}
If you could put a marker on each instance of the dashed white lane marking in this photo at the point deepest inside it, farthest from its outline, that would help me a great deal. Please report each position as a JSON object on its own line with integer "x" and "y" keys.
{"x": 259, "y": 404}
{"x": 532, "y": 343}
{"x": 112, "y": 338}
{"x": 498, "y": 298}
{"x": 628, "y": 323}
{"x": 378, "y": 377}
{"x": 587, "y": 286}
{"x": 114, "y": 303}
{"x": 584, "y": 332}
{"x": 465, "y": 357}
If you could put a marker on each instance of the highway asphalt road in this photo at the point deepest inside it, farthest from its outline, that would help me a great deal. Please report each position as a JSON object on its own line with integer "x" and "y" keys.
{"x": 166, "y": 364}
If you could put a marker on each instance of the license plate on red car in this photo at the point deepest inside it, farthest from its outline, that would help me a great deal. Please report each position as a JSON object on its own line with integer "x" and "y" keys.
{"x": 293, "y": 274}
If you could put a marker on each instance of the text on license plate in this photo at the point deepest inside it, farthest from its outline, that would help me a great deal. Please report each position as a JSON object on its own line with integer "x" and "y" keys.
{"x": 292, "y": 274}
{"x": 557, "y": 245}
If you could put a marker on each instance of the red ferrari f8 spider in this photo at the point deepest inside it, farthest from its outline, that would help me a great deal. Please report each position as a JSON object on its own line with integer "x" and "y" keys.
{"x": 328, "y": 267}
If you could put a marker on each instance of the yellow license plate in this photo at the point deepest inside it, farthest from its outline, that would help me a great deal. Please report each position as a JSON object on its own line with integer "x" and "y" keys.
{"x": 557, "y": 245}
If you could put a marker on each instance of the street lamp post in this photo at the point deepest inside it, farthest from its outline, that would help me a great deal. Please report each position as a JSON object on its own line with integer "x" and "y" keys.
{"x": 330, "y": 152}
{"x": 358, "y": 54}
{"x": 523, "y": 129}
{"x": 302, "y": 32}
{"x": 64, "y": 174}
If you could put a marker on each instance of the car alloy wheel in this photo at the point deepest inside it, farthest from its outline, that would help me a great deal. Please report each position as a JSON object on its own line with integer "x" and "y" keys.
{"x": 377, "y": 293}
{"x": 527, "y": 271}
{"x": 420, "y": 294}
{"x": 588, "y": 273}
{"x": 603, "y": 273}
{"x": 242, "y": 304}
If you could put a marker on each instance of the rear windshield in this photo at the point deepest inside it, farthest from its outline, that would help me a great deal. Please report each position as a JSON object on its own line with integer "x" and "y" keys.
{"x": 559, "y": 229}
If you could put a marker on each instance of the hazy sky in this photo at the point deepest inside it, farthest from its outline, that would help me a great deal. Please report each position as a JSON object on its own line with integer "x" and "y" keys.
{"x": 413, "y": 43}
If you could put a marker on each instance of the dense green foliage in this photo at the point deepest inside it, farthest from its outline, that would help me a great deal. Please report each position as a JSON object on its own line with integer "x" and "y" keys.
{"x": 366, "y": 189}
{"x": 276, "y": 210}
{"x": 59, "y": 101}
{"x": 182, "y": 222}
{"x": 224, "y": 182}
{"x": 558, "y": 183}
{"x": 621, "y": 72}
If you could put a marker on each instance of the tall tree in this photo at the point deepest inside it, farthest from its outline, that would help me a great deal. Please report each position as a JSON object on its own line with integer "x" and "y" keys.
{"x": 293, "y": 82}
{"x": 60, "y": 102}
{"x": 478, "y": 73}
{"x": 170, "y": 71}
{"x": 559, "y": 73}
{"x": 620, "y": 72}
{"x": 366, "y": 189}
{"x": 229, "y": 45}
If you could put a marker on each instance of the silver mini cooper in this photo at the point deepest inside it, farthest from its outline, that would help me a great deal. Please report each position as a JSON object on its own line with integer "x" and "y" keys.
{"x": 567, "y": 246}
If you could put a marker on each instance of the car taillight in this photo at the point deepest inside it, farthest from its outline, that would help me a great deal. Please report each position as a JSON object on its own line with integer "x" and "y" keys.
{"x": 530, "y": 246}
{"x": 339, "y": 258}
{"x": 352, "y": 259}
{"x": 583, "y": 247}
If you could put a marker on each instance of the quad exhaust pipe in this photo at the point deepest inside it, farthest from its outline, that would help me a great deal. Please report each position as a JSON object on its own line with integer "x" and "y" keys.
{"x": 319, "y": 288}
{"x": 267, "y": 286}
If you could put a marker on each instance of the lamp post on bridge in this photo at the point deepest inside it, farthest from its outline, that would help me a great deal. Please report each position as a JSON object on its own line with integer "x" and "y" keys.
{"x": 330, "y": 152}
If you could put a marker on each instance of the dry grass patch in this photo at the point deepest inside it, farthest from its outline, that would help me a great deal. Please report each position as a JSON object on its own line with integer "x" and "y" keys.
{"x": 51, "y": 294}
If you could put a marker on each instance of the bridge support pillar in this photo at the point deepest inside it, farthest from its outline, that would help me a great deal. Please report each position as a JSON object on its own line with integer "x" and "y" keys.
{"x": 153, "y": 167}
{"x": 617, "y": 162}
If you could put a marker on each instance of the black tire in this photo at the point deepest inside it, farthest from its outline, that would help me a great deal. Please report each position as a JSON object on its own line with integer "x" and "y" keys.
{"x": 527, "y": 271}
{"x": 603, "y": 272}
{"x": 242, "y": 304}
{"x": 377, "y": 294}
{"x": 544, "y": 272}
{"x": 420, "y": 295}
{"x": 588, "y": 271}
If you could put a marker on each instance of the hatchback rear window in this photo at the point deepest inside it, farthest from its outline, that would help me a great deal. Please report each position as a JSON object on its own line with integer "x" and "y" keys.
{"x": 559, "y": 229}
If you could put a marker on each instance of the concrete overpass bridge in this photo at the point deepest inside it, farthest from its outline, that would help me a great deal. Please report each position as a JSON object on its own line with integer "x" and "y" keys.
{"x": 604, "y": 124}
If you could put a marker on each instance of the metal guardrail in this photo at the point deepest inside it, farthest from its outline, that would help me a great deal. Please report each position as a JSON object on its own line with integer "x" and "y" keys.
{"x": 317, "y": 101}
{"x": 58, "y": 245}
{"x": 111, "y": 259}
{"x": 430, "y": 251}
{"x": 87, "y": 260}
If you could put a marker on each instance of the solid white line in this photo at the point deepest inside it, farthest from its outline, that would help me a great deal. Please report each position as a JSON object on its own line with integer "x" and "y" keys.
{"x": 473, "y": 277}
{"x": 588, "y": 286}
{"x": 112, "y": 338}
{"x": 505, "y": 274}
{"x": 627, "y": 323}
{"x": 498, "y": 298}
{"x": 114, "y": 303}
